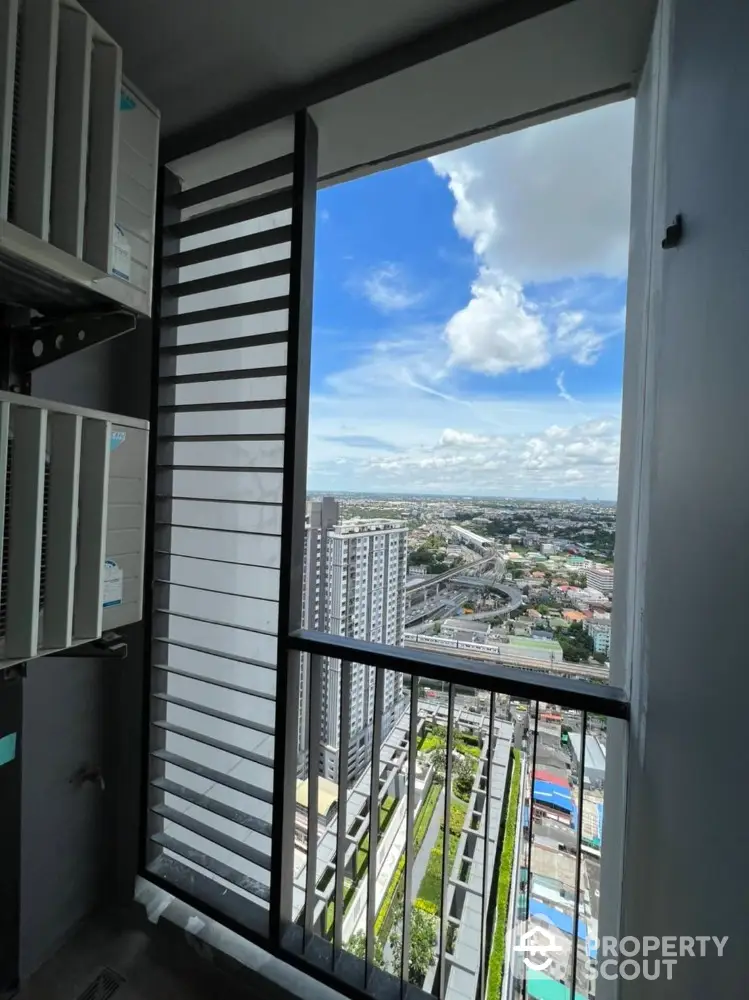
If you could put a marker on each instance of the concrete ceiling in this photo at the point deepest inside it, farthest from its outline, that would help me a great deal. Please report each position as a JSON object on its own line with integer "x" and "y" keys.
{"x": 216, "y": 67}
{"x": 194, "y": 58}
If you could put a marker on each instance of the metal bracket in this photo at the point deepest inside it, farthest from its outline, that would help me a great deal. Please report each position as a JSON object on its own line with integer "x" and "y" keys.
{"x": 674, "y": 233}
{"x": 111, "y": 646}
{"x": 49, "y": 340}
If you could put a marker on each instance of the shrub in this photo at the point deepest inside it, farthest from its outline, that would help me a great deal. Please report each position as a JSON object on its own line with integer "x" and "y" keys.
{"x": 504, "y": 878}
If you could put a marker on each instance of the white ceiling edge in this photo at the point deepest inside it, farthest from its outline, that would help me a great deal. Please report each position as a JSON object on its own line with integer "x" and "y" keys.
{"x": 574, "y": 58}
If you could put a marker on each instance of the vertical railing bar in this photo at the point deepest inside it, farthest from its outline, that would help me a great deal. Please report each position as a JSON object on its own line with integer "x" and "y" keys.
{"x": 340, "y": 859}
{"x": 374, "y": 818}
{"x": 410, "y": 795}
{"x": 446, "y": 837}
{"x": 580, "y": 793}
{"x": 153, "y": 681}
{"x": 485, "y": 872}
{"x": 291, "y": 567}
{"x": 314, "y": 681}
{"x": 530, "y": 836}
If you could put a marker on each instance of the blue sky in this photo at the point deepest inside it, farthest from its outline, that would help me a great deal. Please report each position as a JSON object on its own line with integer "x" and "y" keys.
{"x": 469, "y": 316}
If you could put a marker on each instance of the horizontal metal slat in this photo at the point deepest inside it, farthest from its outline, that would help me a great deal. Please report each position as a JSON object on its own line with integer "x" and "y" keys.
{"x": 209, "y": 741}
{"x": 205, "y": 861}
{"x": 205, "y": 515}
{"x": 221, "y": 437}
{"x": 250, "y": 503}
{"x": 214, "y": 713}
{"x": 220, "y": 376}
{"x": 251, "y": 404}
{"x": 251, "y": 854}
{"x": 226, "y": 685}
{"x": 225, "y": 562}
{"x": 225, "y": 531}
{"x": 227, "y": 279}
{"x": 227, "y": 344}
{"x": 229, "y": 248}
{"x": 252, "y": 308}
{"x": 234, "y": 657}
{"x": 210, "y": 774}
{"x": 268, "y": 171}
{"x": 213, "y": 805}
{"x": 253, "y": 208}
{"x": 213, "y": 621}
{"x": 244, "y": 469}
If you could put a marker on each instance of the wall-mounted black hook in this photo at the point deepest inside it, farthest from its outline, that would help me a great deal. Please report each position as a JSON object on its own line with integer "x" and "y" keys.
{"x": 674, "y": 233}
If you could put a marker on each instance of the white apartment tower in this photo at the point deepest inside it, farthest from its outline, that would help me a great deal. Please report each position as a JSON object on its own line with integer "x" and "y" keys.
{"x": 354, "y": 585}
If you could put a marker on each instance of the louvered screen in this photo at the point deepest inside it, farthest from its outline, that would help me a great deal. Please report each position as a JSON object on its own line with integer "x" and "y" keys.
{"x": 230, "y": 276}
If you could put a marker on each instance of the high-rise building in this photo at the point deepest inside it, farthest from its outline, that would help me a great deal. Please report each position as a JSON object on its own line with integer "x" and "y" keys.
{"x": 354, "y": 585}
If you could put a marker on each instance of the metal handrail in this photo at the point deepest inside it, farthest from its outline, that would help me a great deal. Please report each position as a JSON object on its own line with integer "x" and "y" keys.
{"x": 602, "y": 699}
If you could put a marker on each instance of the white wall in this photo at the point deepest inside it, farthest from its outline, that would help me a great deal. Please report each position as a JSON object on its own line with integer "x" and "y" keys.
{"x": 686, "y": 413}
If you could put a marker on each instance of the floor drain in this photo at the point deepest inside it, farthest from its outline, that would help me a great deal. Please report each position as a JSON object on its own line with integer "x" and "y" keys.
{"x": 103, "y": 987}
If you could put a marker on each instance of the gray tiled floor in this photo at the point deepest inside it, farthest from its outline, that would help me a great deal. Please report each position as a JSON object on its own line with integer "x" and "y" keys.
{"x": 155, "y": 965}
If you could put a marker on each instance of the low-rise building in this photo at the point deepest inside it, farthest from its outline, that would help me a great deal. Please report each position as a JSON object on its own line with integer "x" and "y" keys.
{"x": 601, "y": 577}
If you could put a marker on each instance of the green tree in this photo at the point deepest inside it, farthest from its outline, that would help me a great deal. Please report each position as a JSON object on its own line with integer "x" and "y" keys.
{"x": 469, "y": 606}
{"x": 423, "y": 944}
{"x": 463, "y": 772}
{"x": 438, "y": 761}
{"x": 357, "y": 945}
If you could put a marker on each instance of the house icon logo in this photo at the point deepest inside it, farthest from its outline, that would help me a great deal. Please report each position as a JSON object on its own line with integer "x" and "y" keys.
{"x": 536, "y": 946}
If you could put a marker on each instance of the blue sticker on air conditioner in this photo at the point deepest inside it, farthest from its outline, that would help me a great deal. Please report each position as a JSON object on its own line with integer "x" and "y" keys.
{"x": 116, "y": 439}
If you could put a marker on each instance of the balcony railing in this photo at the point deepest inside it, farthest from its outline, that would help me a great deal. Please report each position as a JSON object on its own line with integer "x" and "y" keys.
{"x": 474, "y": 820}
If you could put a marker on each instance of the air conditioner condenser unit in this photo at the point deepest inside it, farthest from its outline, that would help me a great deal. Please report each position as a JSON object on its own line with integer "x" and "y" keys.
{"x": 72, "y": 525}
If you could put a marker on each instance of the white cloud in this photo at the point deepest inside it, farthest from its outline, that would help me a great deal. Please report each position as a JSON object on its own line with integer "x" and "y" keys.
{"x": 387, "y": 289}
{"x": 581, "y": 343}
{"x": 395, "y": 422}
{"x": 541, "y": 204}
{"x": 451, "y": 437}
{"x": 551, "y": 201}
{"x": 497, "y": 331}
{"x": 562, "y": 389}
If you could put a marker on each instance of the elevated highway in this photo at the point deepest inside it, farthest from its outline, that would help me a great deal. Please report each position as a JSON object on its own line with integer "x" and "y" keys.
{"x": 435, "y": 579}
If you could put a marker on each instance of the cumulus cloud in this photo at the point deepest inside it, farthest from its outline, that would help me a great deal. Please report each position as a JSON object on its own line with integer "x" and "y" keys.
{"x": 539, "y": 205}
{"x": 387, "y": 289}
{"x": 548, "y": 202}
{"x": 451, "y": 437}
{"x": 497, "y": 331}
{"x": 553, "y": 458}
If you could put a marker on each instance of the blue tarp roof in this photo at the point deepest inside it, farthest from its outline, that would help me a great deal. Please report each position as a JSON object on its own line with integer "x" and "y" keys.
{"x": 553, "y": 795}
{"x": 560, "y": 920}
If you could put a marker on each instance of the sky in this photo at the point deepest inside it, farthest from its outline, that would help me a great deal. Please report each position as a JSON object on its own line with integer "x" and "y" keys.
{"x": 469, "y": 318}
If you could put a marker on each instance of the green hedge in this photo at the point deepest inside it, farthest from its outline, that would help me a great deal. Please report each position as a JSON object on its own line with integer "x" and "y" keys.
{"x": 394, "y": 891}
{"x": 430, "y": 889}
{"x": 502, "y": 885}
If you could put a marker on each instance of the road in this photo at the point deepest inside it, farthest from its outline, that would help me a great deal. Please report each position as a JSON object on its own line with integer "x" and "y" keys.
{"x": 430, "y": 580}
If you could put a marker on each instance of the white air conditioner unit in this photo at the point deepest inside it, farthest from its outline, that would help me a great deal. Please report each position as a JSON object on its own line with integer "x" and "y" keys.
{"x": 72, "y": 525}
{"x": 78, "y": 164}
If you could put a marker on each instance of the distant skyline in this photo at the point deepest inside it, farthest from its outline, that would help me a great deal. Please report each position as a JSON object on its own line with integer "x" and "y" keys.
{"x": 469, "y": 318}
{"x": 398, "y": 495}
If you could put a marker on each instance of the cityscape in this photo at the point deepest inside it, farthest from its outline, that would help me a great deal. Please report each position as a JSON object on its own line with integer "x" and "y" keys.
{"x": 515, "y": 849}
